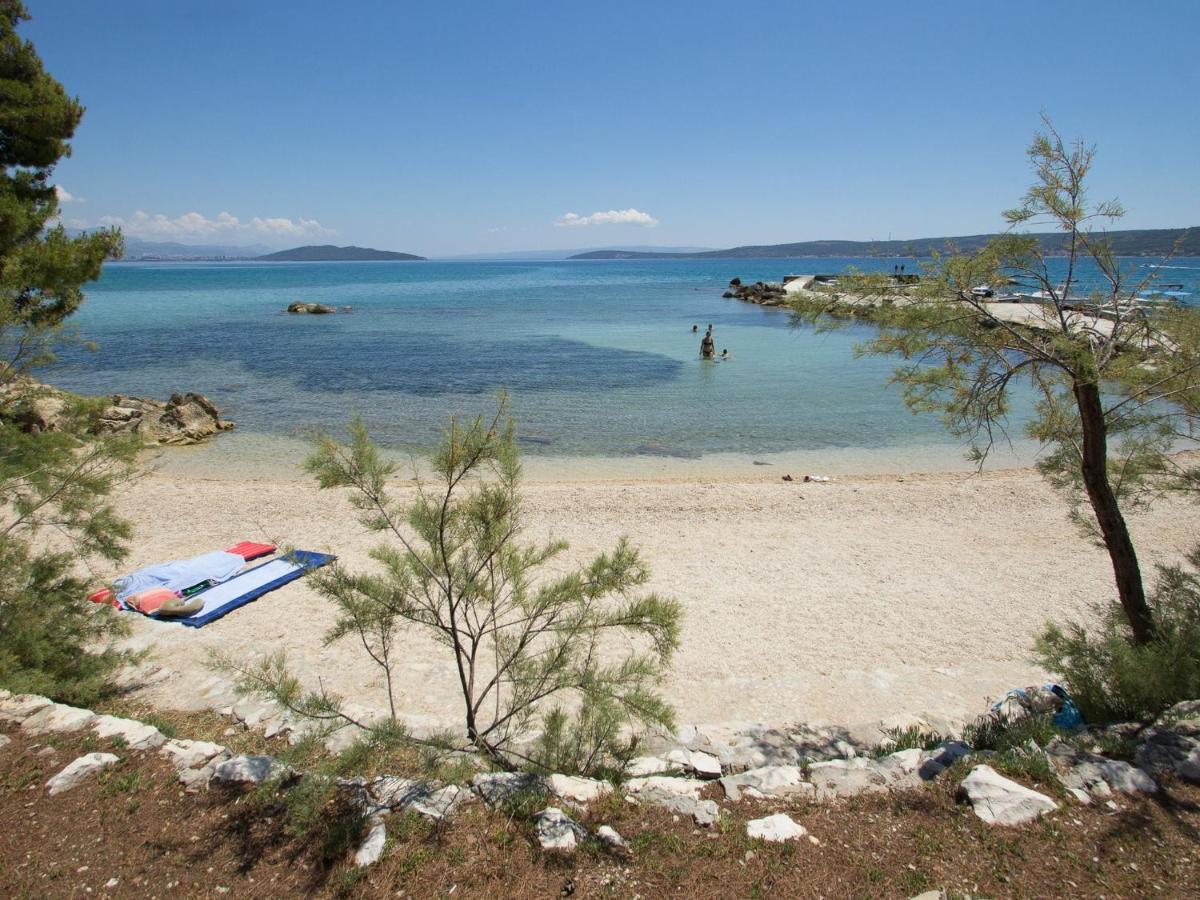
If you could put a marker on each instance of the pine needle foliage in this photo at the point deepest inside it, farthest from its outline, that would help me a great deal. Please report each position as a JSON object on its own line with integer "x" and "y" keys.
{"x": 575, "y": 658}
{"x": 54, "y": 519}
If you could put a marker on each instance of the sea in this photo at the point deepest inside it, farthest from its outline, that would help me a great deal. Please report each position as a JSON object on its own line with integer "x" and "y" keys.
{"x": 599, "y": 359}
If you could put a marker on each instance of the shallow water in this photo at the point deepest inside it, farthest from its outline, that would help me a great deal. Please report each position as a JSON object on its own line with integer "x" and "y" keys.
{"x": 598, "y": 357}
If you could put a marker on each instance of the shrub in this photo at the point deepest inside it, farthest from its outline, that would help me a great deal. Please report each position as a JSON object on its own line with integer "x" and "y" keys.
{"x": 1113, "y": 679}
{"x": 576, "y": 658}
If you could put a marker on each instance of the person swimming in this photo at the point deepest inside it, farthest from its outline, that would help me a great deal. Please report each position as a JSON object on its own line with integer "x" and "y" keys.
{"x": 725, "y": 354}
{"x": 695, "y": 328}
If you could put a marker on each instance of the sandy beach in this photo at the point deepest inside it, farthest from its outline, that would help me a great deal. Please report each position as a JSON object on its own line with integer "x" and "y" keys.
{"x": 845, "y": 602}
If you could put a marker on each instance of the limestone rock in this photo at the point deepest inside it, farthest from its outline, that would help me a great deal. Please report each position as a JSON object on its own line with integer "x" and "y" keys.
{"x": 16, "y": 708}
{"x": 371, "y": 849}
{"x": 183, "y": 419}
{"x": 703, "y": 764}
{"x": 777, "y": 828}
{"x": 440, "y": 803}
{"x": 249, "y": 769}
{"x": 665, "y": 784}
{"x": 137, "y": 735}
{"x": 557, "y": 831}
{"x": 848, "y": 777}
{"x": 1094, "y": 774}
{"x": 609, "y": 837}
{"x": 79, "y": 771}
{"x": 496, "y": 788}
{"x": 1000, "y": 801}
{"x": 578, "y": 790}
{"x": 642, "y": 766}
{"x": 766, "y": 781}
{"x": 190, "y": 754}
{"x": 58, "y": 717}
{"x": 5, "y": 740}
{"x": 1167, "y": 749}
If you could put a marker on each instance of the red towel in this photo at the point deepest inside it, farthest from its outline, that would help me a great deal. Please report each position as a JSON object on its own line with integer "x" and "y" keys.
{"x": 249, "y": 550}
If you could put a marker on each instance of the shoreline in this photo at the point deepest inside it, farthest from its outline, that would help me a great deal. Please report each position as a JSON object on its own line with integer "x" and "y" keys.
{"x": 842, "y": 602}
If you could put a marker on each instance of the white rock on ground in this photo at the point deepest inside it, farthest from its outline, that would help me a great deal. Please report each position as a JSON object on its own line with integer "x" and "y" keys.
{"x": 190, "y": 754}
{"x": 779, "y": 827}
{"x": 578, "y": 790}
{"x": 703, "y": 764}
{"x": 137, "y": 735}
{"x": 5, "y": 740}
{"x": 557, "y": 831}
{"x": 766, "y": 781}
{"x": 371, "y": 848}
{"x": 611, "y": 839}
{"x": 496, "y": 788}
{"x": 848, "y": 777}
{"x": 79, "y": 771}
{"x": 642, "y": 766}
{"x": 665, "y": 784}
{"x": 440, "y": 803}
{"x": 17, "y": 708}
{"x": 58, "y": 717}
{"x": 248, "y": 769}
{"x": 1000, "y": 801}
{"x": 1078, "y": 770}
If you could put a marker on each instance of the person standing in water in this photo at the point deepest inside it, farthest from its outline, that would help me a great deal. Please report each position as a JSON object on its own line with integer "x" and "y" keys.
{"x": 707, "y": 348}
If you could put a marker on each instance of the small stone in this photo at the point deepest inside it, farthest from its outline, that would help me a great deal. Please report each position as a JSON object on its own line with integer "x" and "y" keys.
{"x": 609, "y": 837}
{"x": 496, "y": 788}
{"x": 79, "y": 771}
{"x": 112, "y": 882}
{"x": 557, "y": 831}
{"x": 643, "y": 766}
{"x": 703, "y": 764}
{"x": 1000, "y": 801}
{"x": 579, "y": 790}
{"x": 190, "y": 754}
{"x": 248, "y": 769}
{"x": 371, "y": 849}
{"x": 777, "y": 828}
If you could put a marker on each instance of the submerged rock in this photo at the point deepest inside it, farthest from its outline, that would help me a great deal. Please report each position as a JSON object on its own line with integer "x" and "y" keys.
{"x": 316, "y": 309}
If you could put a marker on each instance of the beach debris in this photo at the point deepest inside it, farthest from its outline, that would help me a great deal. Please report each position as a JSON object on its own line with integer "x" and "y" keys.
{"x": 788, "y": 478}
{"x": 557, "y": 831}
{"x": 818, "y": 479}
{"x": 316, "y": 309}
{"x": 777, "y": 828}
{"x": 1000, "y": 801}
{"x": 79, "y": 771}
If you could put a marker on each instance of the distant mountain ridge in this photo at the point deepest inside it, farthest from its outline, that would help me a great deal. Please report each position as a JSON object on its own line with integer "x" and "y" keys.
{"x": 330, "y": 253}
{"x": 1136, "y": 242}
{"x": 551, "y": 255}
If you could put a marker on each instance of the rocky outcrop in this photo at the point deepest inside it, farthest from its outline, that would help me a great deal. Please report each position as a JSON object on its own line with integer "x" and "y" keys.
{"x": 761, "y": 292}
{"x": 316, "y": 309}
{"x": 183, "y": 419}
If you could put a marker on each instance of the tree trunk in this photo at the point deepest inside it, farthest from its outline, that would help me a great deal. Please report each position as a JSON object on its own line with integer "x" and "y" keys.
{"x": 1108, "y": 513}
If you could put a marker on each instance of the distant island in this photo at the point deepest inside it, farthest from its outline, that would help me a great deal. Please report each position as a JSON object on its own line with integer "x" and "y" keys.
{"x": 330, "y": 253}
{"x": 1143, "y": 242}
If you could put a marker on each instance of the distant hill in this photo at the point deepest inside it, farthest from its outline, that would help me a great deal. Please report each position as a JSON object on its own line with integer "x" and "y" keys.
{"x": 136, "y": 249}
{"x": 1142, "y": 242}
{"x": 547, "y": 255}
{"x": 330, "y": 253}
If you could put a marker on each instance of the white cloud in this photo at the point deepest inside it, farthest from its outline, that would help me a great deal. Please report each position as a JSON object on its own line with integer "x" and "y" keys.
{"x": 65, "y": 196}
{"x": 194, "y": 225}
{"x": 629, "y": 216}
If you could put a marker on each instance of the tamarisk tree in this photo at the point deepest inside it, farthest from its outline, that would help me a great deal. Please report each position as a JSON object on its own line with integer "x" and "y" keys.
{"x": 53, "y": 484}
{"x": 574, "y": 658}
{"x": 1116, "y": 380}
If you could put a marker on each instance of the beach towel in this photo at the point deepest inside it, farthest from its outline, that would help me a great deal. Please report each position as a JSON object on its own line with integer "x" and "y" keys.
{"x": 214, "y": 567}
{"x": 252, "y": 584}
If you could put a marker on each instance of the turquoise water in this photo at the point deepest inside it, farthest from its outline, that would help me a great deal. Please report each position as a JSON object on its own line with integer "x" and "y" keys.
{"x": 598, "y": 357}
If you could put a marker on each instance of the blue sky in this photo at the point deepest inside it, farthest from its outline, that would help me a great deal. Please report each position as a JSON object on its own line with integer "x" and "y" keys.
{"x": 458, "y": 127}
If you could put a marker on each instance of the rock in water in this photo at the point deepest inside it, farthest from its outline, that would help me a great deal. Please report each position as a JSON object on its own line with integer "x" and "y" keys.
{"x": 183, "y": 419}
{"x": 999, "y": 801}
{"x": 316, "y": 309}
